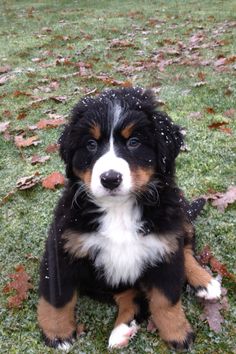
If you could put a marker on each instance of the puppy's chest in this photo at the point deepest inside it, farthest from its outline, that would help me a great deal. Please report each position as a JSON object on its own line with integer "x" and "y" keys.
{"x": 119, "y": 250}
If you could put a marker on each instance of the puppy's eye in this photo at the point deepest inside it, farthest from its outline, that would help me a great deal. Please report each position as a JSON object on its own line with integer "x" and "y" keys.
{"x": 133, "y": 143}
{"x": 92, "y": 145}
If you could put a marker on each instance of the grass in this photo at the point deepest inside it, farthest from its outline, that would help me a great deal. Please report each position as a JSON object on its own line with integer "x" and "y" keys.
{"x": 31, "y": 30}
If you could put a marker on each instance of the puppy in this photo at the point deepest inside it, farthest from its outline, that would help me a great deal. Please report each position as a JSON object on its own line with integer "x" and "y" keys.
{"x": 120, "y": 229}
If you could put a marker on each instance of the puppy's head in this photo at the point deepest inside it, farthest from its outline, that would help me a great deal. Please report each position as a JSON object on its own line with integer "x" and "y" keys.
{"x": 117, "y": 143}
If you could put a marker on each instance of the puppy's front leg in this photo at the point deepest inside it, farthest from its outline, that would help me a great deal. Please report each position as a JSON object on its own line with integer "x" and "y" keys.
{"x": 163, "y": 290}
{"x": 57, "y": 297}
{"x": 125, "y": 325}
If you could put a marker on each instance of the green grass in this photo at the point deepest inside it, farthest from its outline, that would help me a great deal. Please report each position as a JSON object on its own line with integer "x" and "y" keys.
{"x": 151, "y": 26}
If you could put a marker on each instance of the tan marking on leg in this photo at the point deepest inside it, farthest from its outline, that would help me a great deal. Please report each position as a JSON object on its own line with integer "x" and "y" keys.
{"x": 127, "y": 131}
{"x": 57, "y": 322}
{"x": 74, "y": 244}
{"x": 126, "y": 305}
{"x": 141, "y": 176}
{"x": 195, "y": 274}
{"x": 95, "y": 131}
{"x": 169, "y": 319}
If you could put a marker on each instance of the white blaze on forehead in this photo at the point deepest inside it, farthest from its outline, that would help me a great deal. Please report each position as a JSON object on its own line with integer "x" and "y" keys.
{"x": 110, "y": 161}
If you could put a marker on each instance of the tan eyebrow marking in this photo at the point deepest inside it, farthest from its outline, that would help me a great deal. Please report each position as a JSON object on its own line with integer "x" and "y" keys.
{"x": 126, "y": 132}
{"x": 95, "y": 131}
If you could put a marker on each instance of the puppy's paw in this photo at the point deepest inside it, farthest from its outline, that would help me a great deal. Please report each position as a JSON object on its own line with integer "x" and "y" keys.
{"x": 211, "y": 292}
{"x": 121, "y": 335}
{"x": 63, "y": 344}
{"x": 183, "y": 344}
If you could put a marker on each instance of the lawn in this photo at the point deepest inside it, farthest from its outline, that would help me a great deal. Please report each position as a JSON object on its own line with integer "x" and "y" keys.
{"x": 54, "y": 52}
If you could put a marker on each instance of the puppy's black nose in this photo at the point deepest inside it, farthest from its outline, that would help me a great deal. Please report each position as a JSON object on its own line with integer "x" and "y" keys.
{"x": 111, "y": 179}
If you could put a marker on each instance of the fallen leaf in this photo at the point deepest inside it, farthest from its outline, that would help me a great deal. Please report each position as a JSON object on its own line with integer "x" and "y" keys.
{"x": 4, "y": 79}
{"x": 21, "y": 115}
{"x": 50, "y": 123}
{"x": 122, "y": 43}
{"x": 54, "y": 179}
{"x": 226, "y": 198}
{"x": 52, "y": 148}
{"x": 59, "y": 99}
{"x": 4, "y": 126}
{"x": 221, "y": 126}
{"x": 206, "y": 257}
{"x": 20, "y": 284}
{"x": 230, "y": 113}
{"x": 20, "y": 141}
{"x": 210, "y": 110}
{"x": 5, "y": 199}
{"x": 28, "y": 181}
{"x": 4, "y": 69}
{"x": 38, "y": 159}
{"x": 211, "y": 313}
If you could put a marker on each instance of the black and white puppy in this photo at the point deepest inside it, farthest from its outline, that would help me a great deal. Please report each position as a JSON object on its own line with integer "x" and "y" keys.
{"x": 120, "y": 229}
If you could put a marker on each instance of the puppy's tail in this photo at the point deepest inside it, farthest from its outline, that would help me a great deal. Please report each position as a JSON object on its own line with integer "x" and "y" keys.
{"x": 193, "y": 209}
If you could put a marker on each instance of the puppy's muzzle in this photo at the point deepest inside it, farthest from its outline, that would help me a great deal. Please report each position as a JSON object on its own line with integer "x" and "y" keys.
{"x": 111, "y": 179}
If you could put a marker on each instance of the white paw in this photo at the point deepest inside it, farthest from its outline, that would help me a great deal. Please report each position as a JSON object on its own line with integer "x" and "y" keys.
{"x": 121, "y": 335}
{"x": 211, "y": 292}
{"x": 64, "y": 346}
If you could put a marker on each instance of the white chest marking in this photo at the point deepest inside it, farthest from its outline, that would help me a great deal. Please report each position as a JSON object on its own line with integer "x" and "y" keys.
{"x": 118, "y": 248}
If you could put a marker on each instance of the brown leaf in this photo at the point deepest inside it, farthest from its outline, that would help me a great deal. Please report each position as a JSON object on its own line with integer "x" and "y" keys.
{"x": 221, "y": 126}
{"x": 226, "y": 198}
{"x": 4, "y": 79}
{"x": 28, "y": 181}
{"x": 20, "y": 141}
{"x": 52, "y": 148}
{"x": 122, "y": 43}
{"x": 211, "y": 313}
{"x": 4, "y": 126}
{"x": 18, "y": 93}
{"x": 206, "y": 257}
{"x": 50, "y": 123}
{"x": 59, "y": 99}
{"x": 20, "y": 284}
{"x": 230, "y": 113}
{"x": 7, "y": 197}
{"x": 4, "y": 69}
{"x": 38, "y": 159}
{"x": 54, "y": 179}
{"x": 21, "y": 116}
{"x": 210, "y": 110}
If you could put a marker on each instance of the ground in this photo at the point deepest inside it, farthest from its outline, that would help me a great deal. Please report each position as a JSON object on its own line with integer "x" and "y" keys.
{"x": 185, "y": 51}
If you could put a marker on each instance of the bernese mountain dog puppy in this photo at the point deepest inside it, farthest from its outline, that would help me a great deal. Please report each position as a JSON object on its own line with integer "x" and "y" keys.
{"x": 121, "y": 230}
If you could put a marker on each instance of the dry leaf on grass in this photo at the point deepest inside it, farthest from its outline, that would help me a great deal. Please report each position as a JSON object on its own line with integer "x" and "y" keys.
{"x": 28, "y": 181}
{"x": 21, "y": 284}
{"x": 212, "y": 312}
{"x": 20, "y": 141}
{"x": 225, "y": 199}
{"x": 206, "y": 257}
{"x": 4, "y": 126}
{"x": 50, "y": 123}
{"x": 53, "y": 180}
{"x": 38, "y": 159}
{"x": 51, "y": 148}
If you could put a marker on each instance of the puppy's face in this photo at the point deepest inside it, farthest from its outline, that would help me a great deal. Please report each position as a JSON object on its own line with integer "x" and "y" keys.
{"x": 111, "y": 145}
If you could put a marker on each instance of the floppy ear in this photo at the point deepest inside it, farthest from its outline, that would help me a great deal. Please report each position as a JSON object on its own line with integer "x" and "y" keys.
{"x": 68, "y": 141}
{"x": 168, "y": 139}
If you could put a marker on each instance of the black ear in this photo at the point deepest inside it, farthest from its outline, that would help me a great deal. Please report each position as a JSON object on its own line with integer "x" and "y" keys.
{"x": 66, "y": 149}
{"x": 68, "y": 141}
{"x": 169, "y": 139}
